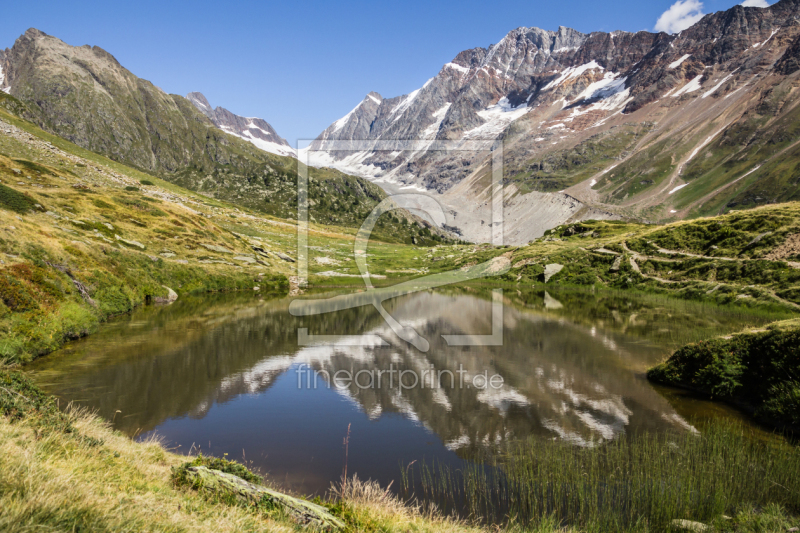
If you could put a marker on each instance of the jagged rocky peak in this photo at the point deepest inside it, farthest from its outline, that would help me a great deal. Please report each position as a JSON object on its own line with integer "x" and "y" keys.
{"x": 253, "y": 129}
{"x": 201, "y": 103}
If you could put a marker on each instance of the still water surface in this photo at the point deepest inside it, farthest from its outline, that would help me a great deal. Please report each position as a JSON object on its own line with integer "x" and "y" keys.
{"x": 221, "y": 375}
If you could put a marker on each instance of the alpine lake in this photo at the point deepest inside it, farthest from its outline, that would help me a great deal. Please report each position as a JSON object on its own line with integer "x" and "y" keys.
{"x": 239, "y": 376}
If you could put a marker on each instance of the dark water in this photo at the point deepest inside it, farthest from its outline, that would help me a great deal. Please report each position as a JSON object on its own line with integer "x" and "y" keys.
{"x": 221, "y": 375}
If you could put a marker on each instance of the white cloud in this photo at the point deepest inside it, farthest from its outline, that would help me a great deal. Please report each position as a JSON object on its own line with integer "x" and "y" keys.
{"x": 755, "y": 3}
{"x": 681, "y": 15}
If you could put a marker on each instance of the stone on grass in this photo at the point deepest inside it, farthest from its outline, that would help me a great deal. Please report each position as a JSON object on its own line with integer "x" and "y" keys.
{"x": 215, "y": 248}
{"x": 688, "y": 525}
{"x": 130, "y": 243}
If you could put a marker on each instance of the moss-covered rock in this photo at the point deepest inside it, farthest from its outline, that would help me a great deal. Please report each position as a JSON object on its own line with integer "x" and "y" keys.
{"x": 235, "y": 490}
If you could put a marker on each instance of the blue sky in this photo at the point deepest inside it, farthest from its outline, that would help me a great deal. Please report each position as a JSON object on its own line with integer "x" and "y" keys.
{"x": 302, "y": 65}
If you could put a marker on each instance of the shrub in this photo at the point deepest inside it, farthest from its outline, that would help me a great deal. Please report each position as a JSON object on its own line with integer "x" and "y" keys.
{"x": 16, "y": 201}
{"x": 760, "y": 371}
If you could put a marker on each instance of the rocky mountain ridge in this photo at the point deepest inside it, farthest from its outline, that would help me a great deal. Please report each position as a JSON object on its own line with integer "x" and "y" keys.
{"x": 683, "y": 116}
{"x": 253, "y": 129}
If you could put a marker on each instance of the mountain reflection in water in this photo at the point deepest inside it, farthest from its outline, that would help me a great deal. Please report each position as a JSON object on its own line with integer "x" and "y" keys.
{"x": 222, "y": 375}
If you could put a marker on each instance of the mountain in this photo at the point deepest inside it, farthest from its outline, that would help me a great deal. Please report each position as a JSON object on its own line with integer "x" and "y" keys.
{"x": 85, "y": 96}
{"x": 255, "y": 130}
{"x": 597, "y": 125}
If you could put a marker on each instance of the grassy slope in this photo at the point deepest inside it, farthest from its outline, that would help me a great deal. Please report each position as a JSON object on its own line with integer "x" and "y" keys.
{"x": 561, "y": 169}
{"x": 741, "y": 258}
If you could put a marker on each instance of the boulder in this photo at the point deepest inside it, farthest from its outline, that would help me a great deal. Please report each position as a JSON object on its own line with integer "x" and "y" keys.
{"x": 171, "y": 297}
{"x": 551, "y": 270}
{"x": 129, "y": 242}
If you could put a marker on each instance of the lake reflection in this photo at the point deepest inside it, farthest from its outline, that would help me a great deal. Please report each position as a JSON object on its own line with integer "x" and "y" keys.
{"x": 227, "y": 375}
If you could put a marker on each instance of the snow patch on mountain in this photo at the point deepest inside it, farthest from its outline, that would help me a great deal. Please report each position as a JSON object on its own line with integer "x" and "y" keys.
{"x": 717, "y": 86}
{"x": 459, "y": 68}
{"x": 267, "y": 146}
{"x": 572, "y": 72}
{"x": 398, "y": 111}
{"x": 352, "y": 164}
{"x": 431, "y": 131}
{"x": 690, "y": 87}
{"x": 771, "y": 35}
{"x": 676, "y": 64}
{"x": 497, "y": 118}
{"x": 608, "y": 86}
{"x": 339, "y": 124}
{"x": 6, "y": 90}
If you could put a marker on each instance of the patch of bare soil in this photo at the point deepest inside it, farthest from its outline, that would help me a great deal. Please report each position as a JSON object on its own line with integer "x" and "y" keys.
{"x": 788, "y": 249}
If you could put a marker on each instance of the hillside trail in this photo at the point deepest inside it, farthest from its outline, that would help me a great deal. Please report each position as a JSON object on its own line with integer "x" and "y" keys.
{"x": 636, "y": 256}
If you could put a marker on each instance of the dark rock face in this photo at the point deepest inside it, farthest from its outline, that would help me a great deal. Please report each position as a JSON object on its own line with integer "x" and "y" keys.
{"x": 789, "y": 63}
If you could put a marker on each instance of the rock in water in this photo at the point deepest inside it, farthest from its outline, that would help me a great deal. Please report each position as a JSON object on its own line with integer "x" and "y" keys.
{"x": 302, "y": 511}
